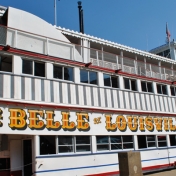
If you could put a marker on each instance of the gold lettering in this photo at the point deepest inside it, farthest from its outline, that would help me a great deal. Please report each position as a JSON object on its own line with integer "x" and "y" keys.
{"x": 34, "y": 122}
{"x": 141, "y": 123}
{"x": 65, "y": 121}
{"x": 50, "y": 124}
{"x": 166, "y": 126}
{"x": 149, "y": 123}
{"x": 17, "y": 119}
{"x": 132, "y": 123}
{"x": 121, "y": 122}
{"x": 158, "y": 122}
{"x": 171, "y": 126}
{"x": 110, "y": 126}
{"x": 81, "y": 124}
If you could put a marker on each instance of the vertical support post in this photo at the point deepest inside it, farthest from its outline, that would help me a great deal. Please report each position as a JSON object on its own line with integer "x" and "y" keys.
{"x": 135, "y": 64}
{"x": 97, "y": 57}
{"x": 164, "y": 73}
{"x": 102, "y": 55}
{"x": 36, "y": 152}
{"x": 159, "y": 65}
{"x": 15, "y": 42}
{"x": 121, "y": 56}
{"x": 47, "y": 46}
{"x": 117, "y": 62}
{"x": 150, "y": 70}
{"x": 145, "y": 67}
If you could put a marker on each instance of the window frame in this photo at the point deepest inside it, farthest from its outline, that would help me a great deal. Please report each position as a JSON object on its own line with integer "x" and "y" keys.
{"x": 130, "y": 84}
{"x": 33, "y": 67}
{"x": 63, "y": 75}
{"x": 111, "y": 76}
{"x": 161, "y": 88}
{"x": 146, "y": 86}
{"x": 88, "y": 73}
{"x": 174, "y": 88}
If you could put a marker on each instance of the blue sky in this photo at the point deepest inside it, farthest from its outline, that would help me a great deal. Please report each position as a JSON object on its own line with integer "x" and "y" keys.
{"x": 139, "y": 24}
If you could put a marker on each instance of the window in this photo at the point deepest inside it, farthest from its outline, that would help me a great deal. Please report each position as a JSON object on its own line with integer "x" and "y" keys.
{"x": 89, "y": 77}
{"x": 173, "y": 91}
{"x": 33, "y": 68}
{"x": 161, "y": 89}
{"x": 6, "y": 63}
{"x": 146, "y": 86}
{"x": 47, "y": 145}
{"x": 130, "y": 84}
{"x": 73, "y": 144}
{"x": 114, "y": 142}
{"x": 162, "y": 141}
{"x": 172, "y": 140}
{"x": 111, "y": 81}
{"x": 65, "y": 73}
{"x": 146, "y": 141}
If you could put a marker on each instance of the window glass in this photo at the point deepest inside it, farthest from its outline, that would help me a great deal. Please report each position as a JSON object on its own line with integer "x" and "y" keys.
{"x": 127, "y": 83}
{"x": 107, "y": 80}
{"x": 127, "y": 142}
{"x": 47, "y": 145}
{"x": 84, "y": 76}
{"x": 27, "y": 67}
{"x": 172, "y": 91}
{"x": 114, "y": 81}
{"x": 65, "y": 144}
{"x": 143, "y": 85}
{"x": 159, "y": 89}
{"x": 133, "y": 85}
{"x": 58, "y": 72}
{"x": 172, "y": 140}
{"x": 142, "y": 141}
{"x": 116, "y": 142}
{"x": 149, "y": 87}
{"x": 39, "y": 69}
{"x": 6, "y": 63}
{"x": 162, "y": 141}
{"x": 164, "y": 90}
{"x": 102, "y": 143}
{"x": 82, "y": 143}
{"x": 92, "y": 77}
{"x": 68, "y": 73}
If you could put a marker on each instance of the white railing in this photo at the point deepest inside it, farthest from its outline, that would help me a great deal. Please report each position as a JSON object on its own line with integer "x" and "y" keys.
{"x": 52, "y": 47}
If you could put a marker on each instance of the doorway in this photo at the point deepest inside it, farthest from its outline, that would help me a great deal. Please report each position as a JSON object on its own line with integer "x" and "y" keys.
{"x": 27, "y": 157}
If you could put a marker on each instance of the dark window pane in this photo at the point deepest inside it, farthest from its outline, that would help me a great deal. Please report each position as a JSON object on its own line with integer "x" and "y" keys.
{"x": 68, "y": 73}
{"x": 82, "y": 140}
{"x": 6, "y": 63}
{"x": 151, "y": 144}
{"x": 143, "y": 85}
{"x": 162, "y": 144}
{"x": 142, "y": 141}
{"x": 107, "y": 80}
{"x": 114, "y": 81}
{"x": 102, "y": 139}
{"x": 39, "y": 69}
{"x": 82, "y": 148}
{"x": 127, "y": 145}
{"x": 92, "y": 77}
{"x": 164, "y": 89}
{"x": 159, "y": 89}
{"x": 103, "y": 147}
{"x": 161, "y": 138}
{"x": 127, "y": 138}
{"x": 116, "y": 146}
{"x": 115, "y": 139}
{"x": 58, "y": 72}
{"x": 172, "y": 91}
{"x": 65, "y": 149}
{"x": 151, "y": 138}
{"x": 47, "y": 145}
{"x": 65, "y": 140}
{"x": 133, "y": 85}
{"x": 149, "y": 87}
{"x": 126, "y": 83}
{"x": 4, "y": 164}
{"x": 172, "y": 140}
{"x": 27, "y": 67}
{"x": 84, "y": 76}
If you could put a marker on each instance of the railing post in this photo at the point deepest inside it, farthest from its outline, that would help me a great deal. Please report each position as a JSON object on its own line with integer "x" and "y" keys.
{"x": 97, "y": 58}
{"x": 159, "y": 65}
{"x": 121, "y": 56}
{"x": 135, "y": 65}
{"x": 73, "y": 53}
{"x": 150, "y": 70}
{"x": 117, "y": 62}
{"x": 47, "y": 46}
{"x": 145, "y": 66}
{"x": 102, "y": 55}
{"x": 164, "y": 73}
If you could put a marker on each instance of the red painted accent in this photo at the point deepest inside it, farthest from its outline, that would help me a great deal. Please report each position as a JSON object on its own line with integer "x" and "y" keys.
{"x": 80, "y": 64}
{"x": 88, "y": 64}
{"x": 16, "y": 173}
{"x": 13, "y": 103}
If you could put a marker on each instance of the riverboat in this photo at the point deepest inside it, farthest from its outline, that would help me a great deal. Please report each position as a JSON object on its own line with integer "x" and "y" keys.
{"x": 70, "y": 102}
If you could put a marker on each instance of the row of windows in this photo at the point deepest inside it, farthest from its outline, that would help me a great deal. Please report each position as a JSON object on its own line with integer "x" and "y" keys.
{"x": 90, "y": 77}
{"x": 76, "y": 144}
